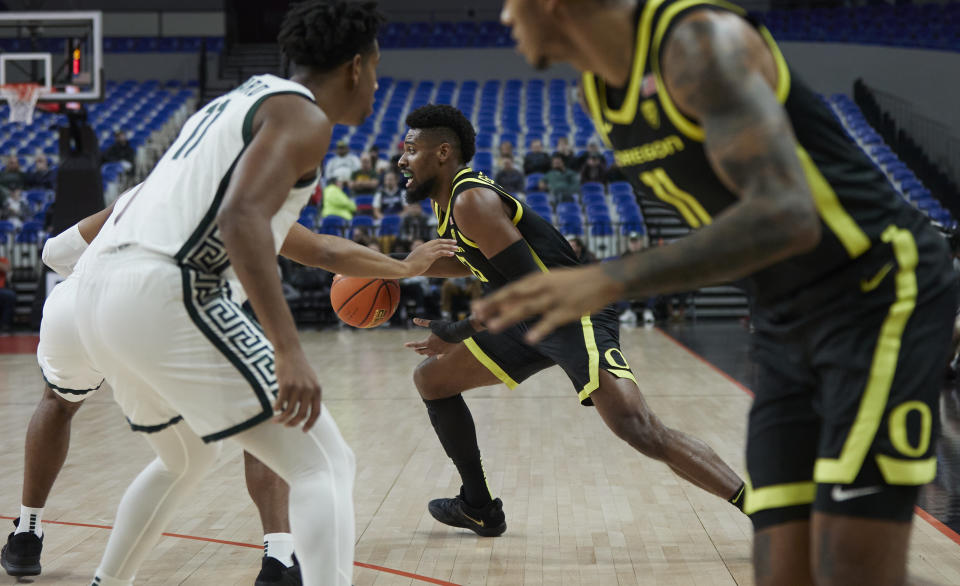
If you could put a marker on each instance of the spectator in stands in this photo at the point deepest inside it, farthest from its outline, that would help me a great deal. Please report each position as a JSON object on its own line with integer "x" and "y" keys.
{"x": 120, "y": 151}
{"x": 615, "y": 174}
{"x": 506, "y": 152}
{"x": 341, "y": 166}
{"x": 15, "y": 204}
{"x": 391, "y": 198}
{"x": 457, "y": 294}
{"x": 42, "y": 176}
{"x": 8, "y": 298}
{"x": 12, "y": 177}
{"x": 536, "y": 161}
{"x": 580, "y": 249}
{"x": 594, "y": 171}
{"x": 415, "y": 223}
{"x": 509, "y": 177}
{"x": 593, "y": 150}
{"x": 560, "y": 182}
{"x": 364, "y": 181}
{"x": 395, "y": 157}
{"x": 565, "y": 151}
{"x": 381, "y": 166}
{"x": 336, "y": 202}
{"x": 637, "y": 243}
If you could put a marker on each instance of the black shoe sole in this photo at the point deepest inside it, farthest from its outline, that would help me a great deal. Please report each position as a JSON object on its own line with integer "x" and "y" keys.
{"x": 17, "y": 570}
{"x": 481, "y": 531}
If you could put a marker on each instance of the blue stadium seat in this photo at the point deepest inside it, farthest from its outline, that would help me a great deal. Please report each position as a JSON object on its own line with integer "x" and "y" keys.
{"x": 360, "y": 222}
{"x": 537, "y": 198}
{"x": 334, "y": 225}
{"x": 533, "y": 181}
{"x": 390, "y": 225}
{"x": 29, "y": 233}
{"x": 591, "y": 188}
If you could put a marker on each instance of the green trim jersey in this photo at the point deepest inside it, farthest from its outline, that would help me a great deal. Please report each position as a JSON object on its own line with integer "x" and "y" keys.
{"x": 173, "y": 212}
{"x": 548, "y": 246}
{"x": 662, "y": 153}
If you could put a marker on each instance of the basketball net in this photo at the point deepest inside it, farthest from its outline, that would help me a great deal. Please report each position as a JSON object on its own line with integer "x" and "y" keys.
{"x": 22, "y": 98}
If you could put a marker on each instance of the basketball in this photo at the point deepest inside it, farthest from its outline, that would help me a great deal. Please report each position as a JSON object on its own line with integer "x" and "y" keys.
{"x": 362, "y": 302}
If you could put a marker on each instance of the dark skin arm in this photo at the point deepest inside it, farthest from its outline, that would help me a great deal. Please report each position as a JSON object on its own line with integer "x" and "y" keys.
{"x": 482, "y": 217}
{"x": 339, "y": 255}
{"x": 290, "y": 138}
{"x": 720, "y": 72}
{"x": 91, "y": 225}
{"x": 448, "y": 268}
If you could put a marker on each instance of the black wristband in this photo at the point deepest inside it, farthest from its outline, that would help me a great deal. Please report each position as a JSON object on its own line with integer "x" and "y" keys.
{"x": 452, "y": 332}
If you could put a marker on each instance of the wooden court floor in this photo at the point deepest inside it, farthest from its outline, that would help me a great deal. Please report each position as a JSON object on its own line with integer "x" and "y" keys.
{"x": 581, "y": 506}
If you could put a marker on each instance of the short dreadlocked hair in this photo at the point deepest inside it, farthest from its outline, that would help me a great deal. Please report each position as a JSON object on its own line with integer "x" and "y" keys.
{"x": 323, "y": 34}
{"x": 450, "y": 122}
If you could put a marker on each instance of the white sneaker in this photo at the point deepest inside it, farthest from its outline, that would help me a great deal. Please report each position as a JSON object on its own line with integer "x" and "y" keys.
{"x": 628, "y": 318}
{"x": 648, "y": 319}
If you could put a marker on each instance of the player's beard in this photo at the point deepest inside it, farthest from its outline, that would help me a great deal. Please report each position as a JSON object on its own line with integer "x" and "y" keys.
{"x": 422, "y": 191}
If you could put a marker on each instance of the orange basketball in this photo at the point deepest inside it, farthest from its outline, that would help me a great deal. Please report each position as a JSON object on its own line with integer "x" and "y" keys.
{"x": 362, "y": 302}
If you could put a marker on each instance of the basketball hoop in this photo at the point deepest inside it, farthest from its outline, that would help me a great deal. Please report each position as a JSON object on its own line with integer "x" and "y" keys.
{"x": 22, "y": 98}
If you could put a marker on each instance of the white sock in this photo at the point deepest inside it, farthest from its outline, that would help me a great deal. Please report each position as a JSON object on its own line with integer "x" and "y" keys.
{"x": 279, "y": 546}
{"x": 30, "y": 521}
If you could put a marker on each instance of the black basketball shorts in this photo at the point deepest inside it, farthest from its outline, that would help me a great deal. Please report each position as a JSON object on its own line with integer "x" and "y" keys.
{"x": 581, "y": 349}
{"x": 846, "y": 413}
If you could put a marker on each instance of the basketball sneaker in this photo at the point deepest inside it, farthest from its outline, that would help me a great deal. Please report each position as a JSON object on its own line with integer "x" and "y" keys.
{"x": 21, "y": 555}
{"x": 486, "y": 521}
{"x": 274, "y": 573}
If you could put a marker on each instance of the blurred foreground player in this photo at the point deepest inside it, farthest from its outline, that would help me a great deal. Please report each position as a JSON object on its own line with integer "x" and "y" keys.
{"x": 854, "y": 297}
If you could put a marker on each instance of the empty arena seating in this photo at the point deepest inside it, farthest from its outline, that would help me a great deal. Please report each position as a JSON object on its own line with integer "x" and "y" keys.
{"x": 928, "y": 25}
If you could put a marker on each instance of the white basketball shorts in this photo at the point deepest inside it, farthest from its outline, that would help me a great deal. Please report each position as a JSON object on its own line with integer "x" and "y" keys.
{"x": 65, "y": 365}
{"x": 173, "y": 344}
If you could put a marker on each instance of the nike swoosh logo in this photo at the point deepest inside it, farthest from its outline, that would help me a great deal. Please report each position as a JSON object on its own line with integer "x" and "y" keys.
{"x": 867, "y": 285}
{"x": 480, "y": 523}
{"x": 840, "y": 494}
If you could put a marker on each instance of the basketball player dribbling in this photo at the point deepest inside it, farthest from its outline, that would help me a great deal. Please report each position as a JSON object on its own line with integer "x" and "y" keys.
{"x": 854, "y": 293}
{"x": 161, "y": 323}
{"x": 71, "y": 379}
{"x": 500, "y": 240}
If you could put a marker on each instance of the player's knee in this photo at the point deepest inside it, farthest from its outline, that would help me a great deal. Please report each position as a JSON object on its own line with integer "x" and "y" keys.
{"x": 59, "y": 405}
{"x": 642, "y": 431}
{"x": 426, "y": 383}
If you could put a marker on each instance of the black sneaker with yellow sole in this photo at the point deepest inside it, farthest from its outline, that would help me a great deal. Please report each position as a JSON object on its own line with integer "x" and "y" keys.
{"x": 21, "y": 555}
{"x": 485, "y": 521}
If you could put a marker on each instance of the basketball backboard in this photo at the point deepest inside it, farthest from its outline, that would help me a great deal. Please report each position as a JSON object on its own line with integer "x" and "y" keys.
{"x": 61, "y": 51}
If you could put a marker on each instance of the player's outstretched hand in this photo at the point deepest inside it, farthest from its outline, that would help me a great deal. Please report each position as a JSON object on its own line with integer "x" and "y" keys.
{"x": 558, "y": 297}
{"x": 433, "y": 345}
{"x": 423, "y": 257}
{"x": 298, "y": 400}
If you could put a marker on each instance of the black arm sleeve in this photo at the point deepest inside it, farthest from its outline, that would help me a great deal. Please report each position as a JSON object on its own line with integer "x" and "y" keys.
{"x": 515, "y": 261}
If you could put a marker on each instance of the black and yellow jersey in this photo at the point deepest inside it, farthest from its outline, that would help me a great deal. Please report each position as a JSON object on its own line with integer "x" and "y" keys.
{"x": 549, "y": 247}
{"x": 661, "y": 152}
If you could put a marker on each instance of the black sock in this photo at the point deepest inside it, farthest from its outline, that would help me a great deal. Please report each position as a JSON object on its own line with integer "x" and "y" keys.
{"x": 737, "y": 498}
{"x": 453, "y": 423}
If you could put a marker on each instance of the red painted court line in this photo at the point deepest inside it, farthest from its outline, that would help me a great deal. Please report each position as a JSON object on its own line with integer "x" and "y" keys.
{"x": 404, "y": 574}
{"x": 938, "y": 525}
{"x": 19, "y": 344}
{"x": 950, "y": 533}
{"x": 260, "y": 546}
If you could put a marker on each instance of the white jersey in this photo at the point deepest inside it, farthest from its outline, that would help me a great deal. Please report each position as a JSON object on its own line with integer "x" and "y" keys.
{"x": 174, "y": 212}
